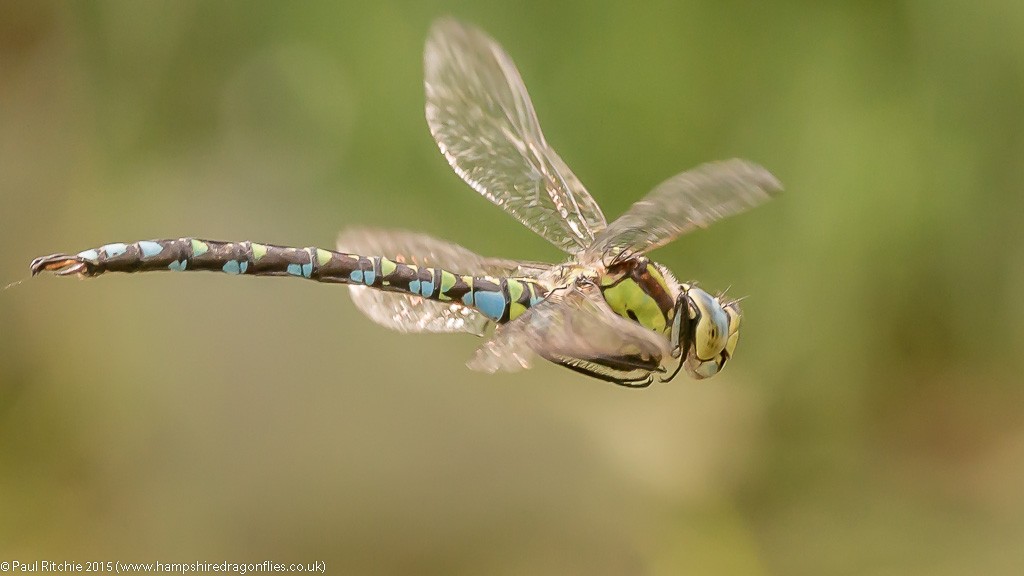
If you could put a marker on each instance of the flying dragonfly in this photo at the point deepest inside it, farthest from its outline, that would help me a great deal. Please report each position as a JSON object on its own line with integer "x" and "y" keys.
{"x": 607, "y": 312}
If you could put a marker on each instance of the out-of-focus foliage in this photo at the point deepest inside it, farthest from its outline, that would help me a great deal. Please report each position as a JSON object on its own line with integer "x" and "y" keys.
{"x": 869, "y": 424}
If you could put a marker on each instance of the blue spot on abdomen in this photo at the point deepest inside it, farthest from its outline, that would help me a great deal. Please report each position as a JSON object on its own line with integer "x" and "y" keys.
{"x": 231, "y": 267}
{"x": 90, "y": 255}
{"x": 115, "y": 249}
{"x": 492, "y": 304}
{"x": 150, "y": 248}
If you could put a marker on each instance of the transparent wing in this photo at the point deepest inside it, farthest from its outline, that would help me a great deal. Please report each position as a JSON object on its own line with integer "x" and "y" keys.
{"x": 575, "y": 328}
{"x": 425, "y": 250}
{"x": 408, "y": 313}
{"x": 484, "y": 123}
{"x": 412, "y": 314}
{"x": 693, "y": 199}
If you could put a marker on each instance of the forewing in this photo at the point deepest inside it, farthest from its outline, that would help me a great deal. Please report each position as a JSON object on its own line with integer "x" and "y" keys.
{"x": 693, "y": 199}
{"x": 483, "y": 121}
{"x": 570, "y": 325}
{"x": 408, "y": 313}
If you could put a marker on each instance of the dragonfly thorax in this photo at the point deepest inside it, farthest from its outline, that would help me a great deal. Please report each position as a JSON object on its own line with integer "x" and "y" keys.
{"x": 637, "y": 289}
{"x": 701, "y": 330}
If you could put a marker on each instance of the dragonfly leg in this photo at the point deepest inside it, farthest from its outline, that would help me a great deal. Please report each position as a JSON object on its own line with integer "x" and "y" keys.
{"x": 644, "y": 383}
{"x": 640, "y": 382}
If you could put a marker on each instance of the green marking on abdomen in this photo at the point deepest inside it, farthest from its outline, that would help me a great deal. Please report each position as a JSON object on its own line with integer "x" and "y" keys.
{"x": 515, "y": 310}
{"x": 447, "y": 281}
{"x": 387, "y": 267}
{"x": 258, "y": 251}
{"x": 467, "y": 298}
{"x": 199, "y": 247}
{"x": 515, "y": 289}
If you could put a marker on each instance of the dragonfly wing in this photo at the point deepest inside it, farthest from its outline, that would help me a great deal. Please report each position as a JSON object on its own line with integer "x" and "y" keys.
{"x": 408, "y": 313}
{"x": 575, "y": 328}
{"x": 483, "y": 121}
{"x": 425, "y": 250}
{"x": 412, "y": 314}
{"x": 693, "y": 199}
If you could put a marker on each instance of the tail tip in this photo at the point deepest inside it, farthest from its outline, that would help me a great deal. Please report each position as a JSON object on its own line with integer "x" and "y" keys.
{"x": 59, "y": 264}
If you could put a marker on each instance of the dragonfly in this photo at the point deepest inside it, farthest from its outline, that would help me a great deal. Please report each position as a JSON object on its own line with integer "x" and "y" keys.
{"x": 607, "y": 311}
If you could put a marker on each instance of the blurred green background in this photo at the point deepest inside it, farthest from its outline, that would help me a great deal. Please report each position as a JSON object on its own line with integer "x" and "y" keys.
{"x": 871, "y": 422}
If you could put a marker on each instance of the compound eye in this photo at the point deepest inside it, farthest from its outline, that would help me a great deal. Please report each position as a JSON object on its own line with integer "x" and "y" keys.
{"x": 732, "y": 310}
{"x": 700, "y": 370}
{"x": 712, "y": 332}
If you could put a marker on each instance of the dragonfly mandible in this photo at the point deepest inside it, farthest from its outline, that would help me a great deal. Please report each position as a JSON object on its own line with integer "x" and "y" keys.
{"x": 607, "y": 312}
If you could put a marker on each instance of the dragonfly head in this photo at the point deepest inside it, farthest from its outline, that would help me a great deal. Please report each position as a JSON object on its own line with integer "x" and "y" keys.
{"x": 704, "y": 331}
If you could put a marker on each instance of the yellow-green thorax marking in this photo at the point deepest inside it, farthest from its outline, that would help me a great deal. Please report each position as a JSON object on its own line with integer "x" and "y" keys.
{"x": 637, "y": 289}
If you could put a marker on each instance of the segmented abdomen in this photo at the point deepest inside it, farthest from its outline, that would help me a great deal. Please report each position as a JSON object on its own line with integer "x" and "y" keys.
{"x": 500, "y": 299}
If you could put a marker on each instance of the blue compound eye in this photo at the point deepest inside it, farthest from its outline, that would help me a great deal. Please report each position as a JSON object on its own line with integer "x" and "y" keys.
{"x": 711, "y": 333}
{"x": 715, "y": 333}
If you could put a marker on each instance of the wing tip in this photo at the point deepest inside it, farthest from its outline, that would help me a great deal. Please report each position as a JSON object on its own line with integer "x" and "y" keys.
{"x": 755, "y": 174}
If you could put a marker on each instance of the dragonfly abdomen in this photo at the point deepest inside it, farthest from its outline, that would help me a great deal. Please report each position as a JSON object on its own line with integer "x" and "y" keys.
{"x": 184, "y": 254}
{"x": 500, "y": 299}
